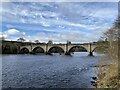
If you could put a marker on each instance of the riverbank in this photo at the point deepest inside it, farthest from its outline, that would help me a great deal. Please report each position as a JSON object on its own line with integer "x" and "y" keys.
{"x": 108, "y": 76}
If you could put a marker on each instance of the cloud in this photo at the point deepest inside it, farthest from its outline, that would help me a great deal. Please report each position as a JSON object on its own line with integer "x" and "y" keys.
{"x": 74, "y": 37}
{"x": 59, "y": 1}
{"x": 61, "y": 37}
{"x": 59, "y": 21}
{"x": 4, "y": 0}
{"x": 14, "y": 32}
{"x": 2, "y": 36}
{"x": 11, "y": 34}
{"x": 48, "y": 14}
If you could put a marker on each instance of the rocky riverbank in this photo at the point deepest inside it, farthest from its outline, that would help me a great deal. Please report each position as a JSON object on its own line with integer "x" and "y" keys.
{"x": 108, "y": 76}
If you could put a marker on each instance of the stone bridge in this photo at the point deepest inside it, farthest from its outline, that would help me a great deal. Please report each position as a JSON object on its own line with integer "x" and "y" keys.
{"x": 90, "y": 47}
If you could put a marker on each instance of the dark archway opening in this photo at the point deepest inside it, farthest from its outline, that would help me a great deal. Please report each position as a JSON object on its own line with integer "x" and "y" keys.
{"x": 56, "y": 50}
{"x": 38, "y": 50}
{"x": 77, "y": 49}
{"x": 100, "y": 50}
{"x": 24, "y": 51}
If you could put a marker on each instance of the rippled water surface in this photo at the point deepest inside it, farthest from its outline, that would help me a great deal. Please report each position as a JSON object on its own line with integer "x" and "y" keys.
{"x": 44, "y": 71}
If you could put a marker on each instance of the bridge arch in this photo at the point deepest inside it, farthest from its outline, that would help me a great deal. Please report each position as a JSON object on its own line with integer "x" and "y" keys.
{"x": 38, "y": 49}
{"x": 56, "y": 49}
{"x": 24, "y": 50}
{"x": 80, "y": 48}
{"x": 97, "y": 47}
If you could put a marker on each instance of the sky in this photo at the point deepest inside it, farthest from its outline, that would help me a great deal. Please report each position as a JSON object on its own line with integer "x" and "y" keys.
{"x": 78, "y": 22}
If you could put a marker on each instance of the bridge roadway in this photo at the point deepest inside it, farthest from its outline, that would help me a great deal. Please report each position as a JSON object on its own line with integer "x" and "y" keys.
{"x": 90, "y": 47}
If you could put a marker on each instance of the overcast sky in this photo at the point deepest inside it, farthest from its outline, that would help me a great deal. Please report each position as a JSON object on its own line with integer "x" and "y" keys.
{"x": 76, "y": 21}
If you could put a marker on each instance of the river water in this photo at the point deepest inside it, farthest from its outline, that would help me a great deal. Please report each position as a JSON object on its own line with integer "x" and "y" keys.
{"x": 45, "y": 71}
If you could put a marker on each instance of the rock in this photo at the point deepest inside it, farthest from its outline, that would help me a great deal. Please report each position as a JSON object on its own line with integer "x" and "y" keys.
{"x": 94, "y": 78}
{"x": 93, "y": 83}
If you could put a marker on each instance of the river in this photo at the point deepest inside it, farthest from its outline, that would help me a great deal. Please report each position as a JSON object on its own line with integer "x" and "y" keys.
{"x": 45, "y": 71}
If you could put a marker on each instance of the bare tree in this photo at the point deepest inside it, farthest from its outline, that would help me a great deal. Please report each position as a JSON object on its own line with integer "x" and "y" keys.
{"x": 21, "y": 39}
{"x": 50, "y": 42}
{"x": 37, "y": 41}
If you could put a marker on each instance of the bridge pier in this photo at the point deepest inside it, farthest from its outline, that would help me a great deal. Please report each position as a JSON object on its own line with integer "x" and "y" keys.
{"x": 90, "y": 54}
{"x": 31, "y": 52}
{"x": 67, "y": 53}
{"x": 47, "y": 53}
